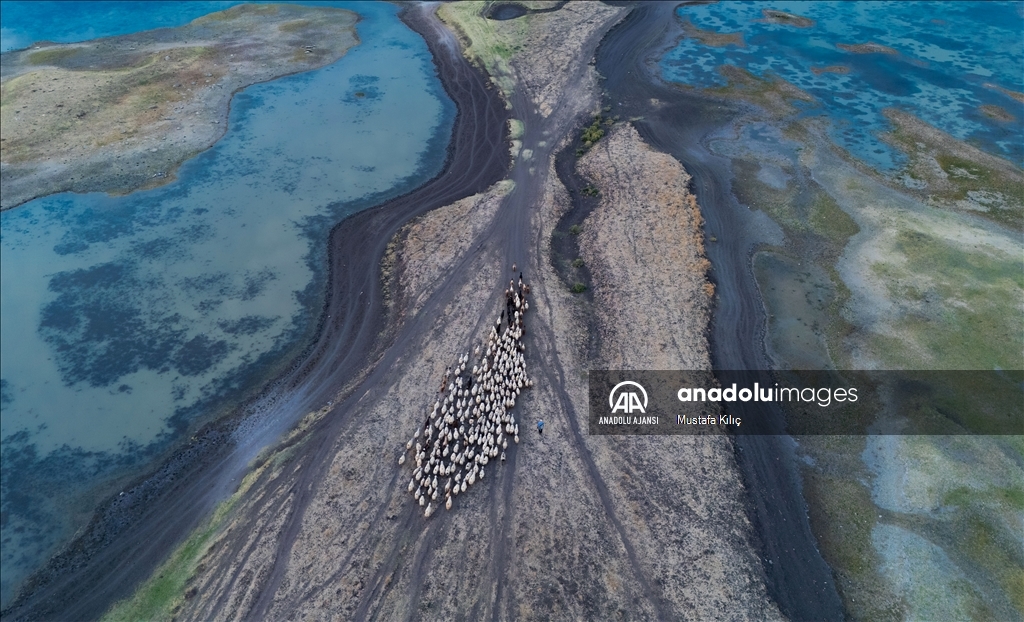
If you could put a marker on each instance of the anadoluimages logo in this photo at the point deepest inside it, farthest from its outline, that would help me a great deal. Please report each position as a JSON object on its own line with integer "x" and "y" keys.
{"x": 627, "y": 401}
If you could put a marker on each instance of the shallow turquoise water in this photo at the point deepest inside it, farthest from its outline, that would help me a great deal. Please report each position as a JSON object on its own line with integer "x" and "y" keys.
{"x": 24, "y": 23}
{"x": 123, "y": 318}
{"x": 950, "y": 57}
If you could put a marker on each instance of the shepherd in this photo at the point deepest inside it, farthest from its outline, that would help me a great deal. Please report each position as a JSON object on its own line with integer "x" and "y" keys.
{"x": 540, "y": 426}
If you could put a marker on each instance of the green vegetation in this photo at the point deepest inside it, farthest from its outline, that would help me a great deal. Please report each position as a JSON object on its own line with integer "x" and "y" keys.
{"x": 515, "y": 129}
{"x": 577, "y": 263}
{"x": 933, "y": 290}
{"x": 237, "y": 12}
{"x": 578, "y": 288}
{"x": 592, "y": 133}
{"x": 842, "y": 516}
{"x": 812, "y": 211}
{"x": 488, "y": 43}
{"x": 774, "y": 96}
{"x": 160, "y": 596}
{"x": 576, "y": 229}
{"x": 827, "y": 219}
{"x": 971, "y": 318}
{"x": 51, "y": 56}
{"x": 589, "y": 190}
{"x": 952, "y": 173}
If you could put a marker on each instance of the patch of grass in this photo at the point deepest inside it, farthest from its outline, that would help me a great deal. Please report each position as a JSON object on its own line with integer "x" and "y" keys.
{"x": 590, "y": 190}
{"x": 576, "y": 229}
{"x": 711, "y": 38}
{"x": 964, "y": 497}
{"x": 989, "y": 548}
{"x": 165, "y": 590}
{"x": 843, "y": 516}
{"x": 515, "y": 129}
{"x": 577, "y": 263}
{"x": 592, "y": 133}
{"x": 827, "y": 219}
{"x": 237, "y": 12}
{"x": 162, "y": 594}
{"x": 51, "y": 56}
{"x": 578, "y": 288}
{"x": 953, "y": 170}
{"x": 489, "y": 43}
{"x": 973, "y": 319}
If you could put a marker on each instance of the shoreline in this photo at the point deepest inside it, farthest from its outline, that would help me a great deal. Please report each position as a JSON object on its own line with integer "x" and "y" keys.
{"x": 798, "y": 578}
{"x": 184, "y": 121}
{"x": 128, "y": 539}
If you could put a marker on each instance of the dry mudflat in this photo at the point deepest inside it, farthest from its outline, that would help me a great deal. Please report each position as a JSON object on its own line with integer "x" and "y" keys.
{"x": 121, "y": 113}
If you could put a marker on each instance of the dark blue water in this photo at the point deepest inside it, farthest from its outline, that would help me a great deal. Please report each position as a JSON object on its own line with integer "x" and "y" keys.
{"x": 125, "y": 318}
{"x": 950, "y": 59}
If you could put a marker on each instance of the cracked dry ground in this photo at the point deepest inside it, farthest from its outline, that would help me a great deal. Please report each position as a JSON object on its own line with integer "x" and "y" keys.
{"x": 571, "y": 526}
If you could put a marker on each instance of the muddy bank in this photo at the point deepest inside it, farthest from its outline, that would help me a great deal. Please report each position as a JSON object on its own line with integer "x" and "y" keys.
{"x": 131, "y": 535}
{"x": 679, "y": 123}
{"x": 130, "y": 109}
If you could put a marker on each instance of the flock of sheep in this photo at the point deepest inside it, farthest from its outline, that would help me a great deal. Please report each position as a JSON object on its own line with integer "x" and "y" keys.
{"x": 470, "y": 426}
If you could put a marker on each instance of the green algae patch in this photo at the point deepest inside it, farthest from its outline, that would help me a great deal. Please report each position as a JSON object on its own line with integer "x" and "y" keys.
{"x": 963, "y": 308}
{"x": 711, "y": 38}
{"x": 951, "y": 173}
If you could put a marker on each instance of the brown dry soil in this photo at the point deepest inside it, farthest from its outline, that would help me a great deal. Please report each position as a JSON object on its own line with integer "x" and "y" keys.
{"x": 645, "y": 250}
{"x": 571, "y": 526}
{"x": 122, "y": 113}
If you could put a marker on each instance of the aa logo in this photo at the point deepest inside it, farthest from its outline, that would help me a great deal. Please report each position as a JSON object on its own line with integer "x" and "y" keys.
{"x": 627, "y": 401}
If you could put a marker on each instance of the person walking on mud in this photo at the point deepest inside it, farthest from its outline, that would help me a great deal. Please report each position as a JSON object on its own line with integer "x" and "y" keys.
{"x": 540, "y": 426}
